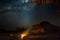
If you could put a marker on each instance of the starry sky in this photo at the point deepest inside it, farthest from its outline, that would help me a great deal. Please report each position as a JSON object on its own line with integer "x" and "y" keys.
{"x": 17, "y": 13}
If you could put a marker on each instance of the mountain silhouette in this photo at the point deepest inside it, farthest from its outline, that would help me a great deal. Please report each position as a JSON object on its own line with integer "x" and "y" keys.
{"x": 44, "y": 31}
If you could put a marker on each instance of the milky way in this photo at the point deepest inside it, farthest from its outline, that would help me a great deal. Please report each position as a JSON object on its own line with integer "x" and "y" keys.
{"x": 17, "y": 13}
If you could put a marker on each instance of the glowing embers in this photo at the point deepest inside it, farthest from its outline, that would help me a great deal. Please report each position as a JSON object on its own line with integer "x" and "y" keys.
{"x": 24, "y": 34}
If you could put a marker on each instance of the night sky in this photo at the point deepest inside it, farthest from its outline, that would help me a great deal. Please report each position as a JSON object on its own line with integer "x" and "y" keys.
{"x": 14, "y": 13}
